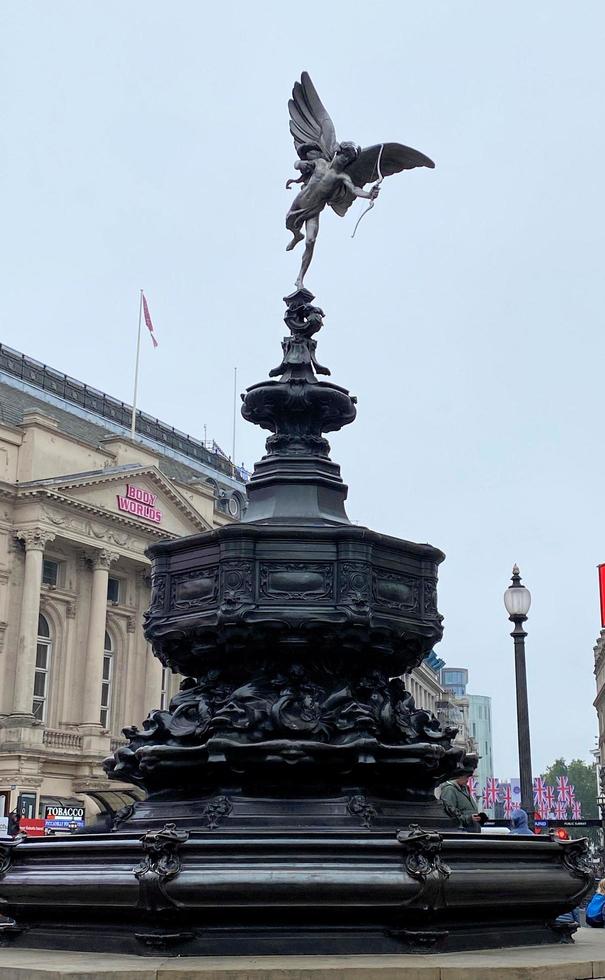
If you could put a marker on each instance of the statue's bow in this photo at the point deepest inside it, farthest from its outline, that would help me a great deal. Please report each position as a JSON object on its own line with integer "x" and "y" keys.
{"x": 376, "y": 185}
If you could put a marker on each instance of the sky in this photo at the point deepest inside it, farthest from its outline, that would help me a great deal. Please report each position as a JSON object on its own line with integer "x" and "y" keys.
{"x": 146, "y": 145}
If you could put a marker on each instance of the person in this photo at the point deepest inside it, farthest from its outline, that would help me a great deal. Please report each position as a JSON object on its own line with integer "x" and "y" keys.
{"x": 13, "y": 823}
{"x": 594, "y": 909}
{"x": 459, "y": 804}
{"x": 520, "y": 825}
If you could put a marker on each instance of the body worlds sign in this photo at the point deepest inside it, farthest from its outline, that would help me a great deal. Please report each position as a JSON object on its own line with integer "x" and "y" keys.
{"x": 140, "y": 503}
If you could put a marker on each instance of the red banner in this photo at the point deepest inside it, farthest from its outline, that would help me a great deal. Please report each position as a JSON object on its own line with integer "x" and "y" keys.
{"x": 602, "y": 592}
{"x": 32, "y": 826}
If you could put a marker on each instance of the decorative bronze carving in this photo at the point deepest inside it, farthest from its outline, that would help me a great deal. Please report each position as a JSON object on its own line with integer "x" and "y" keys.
{"x": 194, "y": 588}
{"x": 290, "y": 711}
{"x": 424, "y": 853}
{"x": 160, "y": 865}
{"x": 575, "y": 857}
{"x": 358, "y": 806}
{"x": 423, "y": 863}
{"x": 217, "y": 810}
{"x": 296, "y": 580}
{"x": 395, "y": 591}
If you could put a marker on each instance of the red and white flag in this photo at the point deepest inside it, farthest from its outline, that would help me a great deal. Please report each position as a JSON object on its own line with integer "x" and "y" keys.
{"x": 147, "y": 316}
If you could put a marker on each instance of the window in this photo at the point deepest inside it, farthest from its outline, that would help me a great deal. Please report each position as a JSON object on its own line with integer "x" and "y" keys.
{"x": 106, "y": 683}
{"x": 113, "y": 590}
{"x": 164, "y": 691}
{"x": 41, "y": 675}
{"x": 50, "y": 572}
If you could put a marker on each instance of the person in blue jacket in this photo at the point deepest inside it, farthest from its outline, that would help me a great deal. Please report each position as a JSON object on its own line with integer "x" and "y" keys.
{"x": 594, "y": 909}
{"x": 520, "y": 824}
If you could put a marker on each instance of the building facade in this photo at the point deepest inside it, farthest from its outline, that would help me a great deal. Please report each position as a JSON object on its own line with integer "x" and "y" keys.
{"x": 80, "y": 501}
{"x": 476, "y": 720}
{"x": 480, "y": 728}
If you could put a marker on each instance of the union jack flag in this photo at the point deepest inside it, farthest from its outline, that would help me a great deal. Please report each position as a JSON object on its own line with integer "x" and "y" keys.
{"x": 560, "y": 810}
{"x": 473, "y": 787}
{"x": 490, "y": 793}
{"x": 549, "y": 797}
{"x": 507, "y": 798}
{"x": 576, "y": 810}
{"x": 539, "y": 787}
{"x": 563, "y": 787}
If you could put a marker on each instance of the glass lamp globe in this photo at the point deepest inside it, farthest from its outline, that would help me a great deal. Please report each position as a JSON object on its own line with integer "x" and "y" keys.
{"x": 517, "y": 599}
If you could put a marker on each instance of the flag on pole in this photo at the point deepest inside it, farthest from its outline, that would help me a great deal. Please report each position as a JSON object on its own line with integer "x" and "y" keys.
{"x": 491, "y": 794}
{"x": 565, "y": 789}
{"x": 507, "y": 799}
{"x": 148, "y": 322}
{"x": 539, "y": 787}
{"x": 473, "y": 787}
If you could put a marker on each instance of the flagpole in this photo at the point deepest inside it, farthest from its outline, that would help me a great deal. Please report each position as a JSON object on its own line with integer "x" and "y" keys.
{"x": 234, "y": 415}
{"x": 136, "y": 370}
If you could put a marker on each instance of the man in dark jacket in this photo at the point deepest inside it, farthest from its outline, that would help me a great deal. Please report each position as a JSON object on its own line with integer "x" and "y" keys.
{"x": 13, "y": 823}
{"x": 459, "y": 804}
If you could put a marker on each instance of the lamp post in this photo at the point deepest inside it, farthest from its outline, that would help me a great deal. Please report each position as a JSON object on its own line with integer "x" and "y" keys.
{"x": 517, "y": 600}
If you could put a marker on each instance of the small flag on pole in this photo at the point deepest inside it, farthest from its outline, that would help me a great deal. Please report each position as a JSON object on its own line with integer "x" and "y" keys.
{"x": 147, "y": 316}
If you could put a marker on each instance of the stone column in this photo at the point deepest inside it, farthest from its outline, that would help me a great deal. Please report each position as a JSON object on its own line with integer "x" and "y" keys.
{"x": 153, "y": 682}
{"x": 35, "y": 540}
{"x": 91, "y": 708}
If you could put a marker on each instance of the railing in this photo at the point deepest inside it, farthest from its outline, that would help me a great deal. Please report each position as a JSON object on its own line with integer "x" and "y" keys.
{"x": 70, "y": 741}
{"x": 44, "y": 377}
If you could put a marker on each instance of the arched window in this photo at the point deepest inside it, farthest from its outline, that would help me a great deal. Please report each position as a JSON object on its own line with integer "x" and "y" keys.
{"x": 106, "y": 686}
{"x": 41, "y": 677}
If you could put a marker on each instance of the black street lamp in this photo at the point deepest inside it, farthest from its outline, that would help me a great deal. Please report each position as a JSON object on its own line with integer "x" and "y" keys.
{"x": 517, "y": 600}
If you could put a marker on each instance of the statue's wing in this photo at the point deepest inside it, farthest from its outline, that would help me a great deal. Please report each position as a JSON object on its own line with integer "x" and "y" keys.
{"x": 395, "y": 157}
{"x": 309, "y": 120}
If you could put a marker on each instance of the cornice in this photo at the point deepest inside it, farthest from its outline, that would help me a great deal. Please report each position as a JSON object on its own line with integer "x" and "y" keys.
{"x": 101, "y": 513}
{"x": 31, "y": 492}
{"x": 8, "y": 491}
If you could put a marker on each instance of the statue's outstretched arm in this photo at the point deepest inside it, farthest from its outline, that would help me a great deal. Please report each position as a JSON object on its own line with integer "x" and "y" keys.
{"x": 371, "y": 194}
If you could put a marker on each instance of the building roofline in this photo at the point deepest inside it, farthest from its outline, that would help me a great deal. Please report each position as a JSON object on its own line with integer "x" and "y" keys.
{"x": 71, "y": 395}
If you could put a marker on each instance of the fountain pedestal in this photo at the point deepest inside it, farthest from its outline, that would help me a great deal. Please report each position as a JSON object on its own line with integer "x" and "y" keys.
{"x": 291, "y": 781}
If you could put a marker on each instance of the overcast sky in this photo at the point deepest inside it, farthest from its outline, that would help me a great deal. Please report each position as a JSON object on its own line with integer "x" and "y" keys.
{"x": 146, "y": 144}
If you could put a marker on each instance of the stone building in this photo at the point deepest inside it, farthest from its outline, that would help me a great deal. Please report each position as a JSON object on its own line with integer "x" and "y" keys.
{"x": 80, "y": 501}
{"x": 599, "y": 702}
{"x": 423, "y": 683}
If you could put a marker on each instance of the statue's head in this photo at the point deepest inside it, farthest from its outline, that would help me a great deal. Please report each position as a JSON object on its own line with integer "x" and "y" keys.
{"x": 346, "y": 153}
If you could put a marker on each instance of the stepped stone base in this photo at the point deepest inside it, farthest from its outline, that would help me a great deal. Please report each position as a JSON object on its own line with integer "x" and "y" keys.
{"x": 585, "y": 960}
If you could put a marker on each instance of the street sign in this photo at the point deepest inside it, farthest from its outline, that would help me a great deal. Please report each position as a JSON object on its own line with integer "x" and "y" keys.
{"x": 568, "y": 823}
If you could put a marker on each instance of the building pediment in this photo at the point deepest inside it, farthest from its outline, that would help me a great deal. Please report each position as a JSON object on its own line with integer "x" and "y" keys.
{"x": 139, "y": 495}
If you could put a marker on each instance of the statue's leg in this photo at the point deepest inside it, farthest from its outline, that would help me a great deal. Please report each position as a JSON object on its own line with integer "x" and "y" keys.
{"x": 294, "y": 224}
{"x": 312, "y": 228}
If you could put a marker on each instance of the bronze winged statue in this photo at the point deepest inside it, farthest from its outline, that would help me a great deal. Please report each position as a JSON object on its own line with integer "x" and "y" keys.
{"x": 331, "y": 172}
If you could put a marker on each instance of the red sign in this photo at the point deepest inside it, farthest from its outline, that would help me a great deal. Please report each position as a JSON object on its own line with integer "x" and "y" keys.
{"x": 140, "y": 503}
{"x": 32, "y": 826}
{"x": 602, "y": 592}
